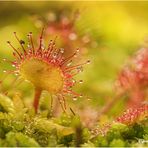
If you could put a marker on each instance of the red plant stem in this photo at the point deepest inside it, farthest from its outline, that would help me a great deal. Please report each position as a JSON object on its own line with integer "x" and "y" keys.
{"x": 110, "y": 104}
{"x": 36, "y": 99}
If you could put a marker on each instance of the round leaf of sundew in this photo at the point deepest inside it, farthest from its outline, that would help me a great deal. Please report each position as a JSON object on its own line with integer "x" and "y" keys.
{"x": 42, "y": 74}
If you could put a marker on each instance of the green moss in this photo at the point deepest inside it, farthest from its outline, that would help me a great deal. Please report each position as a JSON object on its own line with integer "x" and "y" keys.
{"x": 117, "y": 142}
{"x": 20, "y": 140}
{"x": 20, "y": 127}
{"x": 6, "y": 107}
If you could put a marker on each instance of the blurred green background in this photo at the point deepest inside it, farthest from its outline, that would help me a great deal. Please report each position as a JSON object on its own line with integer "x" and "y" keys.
{"x": 116, "y": 30}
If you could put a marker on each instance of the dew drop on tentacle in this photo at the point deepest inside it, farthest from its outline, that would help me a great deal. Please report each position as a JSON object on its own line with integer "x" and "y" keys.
{"x": 4, "y": 71}
{"x": 13, "y": 65}
{"x": 69, "y": 63}
{"x": 42, "y": 45}
{"x": 77, "y": 52}
{"x": 79, "y": 69}
{"x": 80, "y": 95}
{"x": 4, "y": 59}
{"x": 27, "y": 81}
{"x": 22, "y": 42}
{"x": 28, "y": 46}
{"x": 54, "y": 55}
{"x": 75, "y": 98}
{"x": 50, "y": 46}
{"x": 72, "y": 36}
{"x": 88, "y": 98}
{"x": 62, "y": 50}
{"x": 80, "y": 81}
{"x": 74, "y": 81}
{"x": 16, "y": 74}
{"x": 30, "y": 43}
{"x": 88, "y": 62}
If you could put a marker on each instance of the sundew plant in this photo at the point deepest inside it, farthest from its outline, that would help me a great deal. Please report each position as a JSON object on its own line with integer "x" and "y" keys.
{"x": 73, "y": 74}
{"x": 46, "y": 69}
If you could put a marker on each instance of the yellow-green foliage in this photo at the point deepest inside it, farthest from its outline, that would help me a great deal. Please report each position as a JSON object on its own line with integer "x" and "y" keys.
{"x": 21, "y": 127}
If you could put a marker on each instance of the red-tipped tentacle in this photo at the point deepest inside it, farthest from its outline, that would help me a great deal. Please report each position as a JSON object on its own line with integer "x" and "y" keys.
{"x": 20, "y": 42}
{"x": 14, "y": 49}
{"x": 73, "y": 67}
{"x": 41, "y": 40}
{"x": 31, "y": 41}
{"x": 67, "y": 59}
